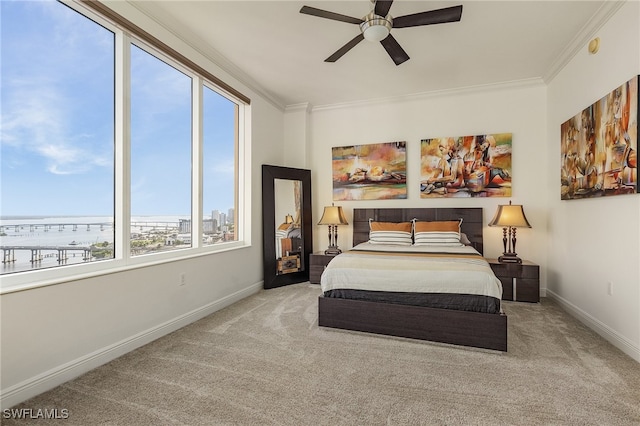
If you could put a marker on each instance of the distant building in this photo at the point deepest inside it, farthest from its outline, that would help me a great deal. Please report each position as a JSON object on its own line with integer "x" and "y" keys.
{"x": 215, "y": 215}
{"x": 184, "y": 238}
{"x": 216, "y": 229}
{"x": 209, "y": 226}
{"x": 184, "y": 227}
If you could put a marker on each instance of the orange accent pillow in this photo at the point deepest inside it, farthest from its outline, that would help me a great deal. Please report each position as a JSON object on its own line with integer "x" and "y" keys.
{"x": 438, "y": 226}
{"x": 390, "y": 226}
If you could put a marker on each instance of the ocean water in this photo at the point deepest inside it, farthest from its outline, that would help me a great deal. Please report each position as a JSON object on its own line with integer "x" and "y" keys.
{"x": 61, "y": 232}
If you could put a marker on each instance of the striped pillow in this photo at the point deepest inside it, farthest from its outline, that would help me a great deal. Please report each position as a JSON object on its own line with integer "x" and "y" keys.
{"x": 440, "y": 233}
{"x": 390, "y": 233}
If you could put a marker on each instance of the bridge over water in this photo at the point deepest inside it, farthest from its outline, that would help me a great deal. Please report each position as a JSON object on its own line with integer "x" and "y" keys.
{"x": 48, "y": 226}
{"x": 84, "y": 225}
{"x": 8, "y": 252}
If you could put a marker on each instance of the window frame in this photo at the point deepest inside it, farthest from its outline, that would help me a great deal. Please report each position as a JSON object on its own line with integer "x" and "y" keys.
{"x": 127, "y": 34}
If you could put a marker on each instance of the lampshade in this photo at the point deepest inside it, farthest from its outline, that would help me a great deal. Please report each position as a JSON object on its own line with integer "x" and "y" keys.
{"x": 333, "y": 215}
{"x": 288, "y": 219}
{"x": 510, "y": 215}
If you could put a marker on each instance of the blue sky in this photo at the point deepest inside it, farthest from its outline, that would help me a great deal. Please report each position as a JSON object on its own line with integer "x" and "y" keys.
{"x": 57, "y": 132}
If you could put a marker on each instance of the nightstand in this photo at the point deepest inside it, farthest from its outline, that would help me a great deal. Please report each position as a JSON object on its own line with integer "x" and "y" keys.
{"x": 317, "y": 262}
{"x": 520, "y": 281}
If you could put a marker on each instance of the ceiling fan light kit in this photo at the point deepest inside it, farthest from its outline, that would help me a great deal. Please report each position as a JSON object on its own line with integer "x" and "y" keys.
{"x": 377, "y": 25}
{"x": 376, "y": 28}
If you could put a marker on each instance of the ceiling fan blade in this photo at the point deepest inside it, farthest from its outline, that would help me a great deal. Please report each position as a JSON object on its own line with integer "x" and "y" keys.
{"x": 329, "y": 15}
{"x": 394, "y": 50}
{"x": 439, "y": 16}
{"x": 344, "y": 49}
{"x": 382, "y": 7}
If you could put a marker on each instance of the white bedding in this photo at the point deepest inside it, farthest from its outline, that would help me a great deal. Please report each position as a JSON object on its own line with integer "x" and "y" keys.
{"x": 423, "y": 269}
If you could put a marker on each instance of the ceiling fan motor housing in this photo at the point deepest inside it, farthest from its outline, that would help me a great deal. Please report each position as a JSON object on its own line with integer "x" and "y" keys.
{"x": 376, "y": 28}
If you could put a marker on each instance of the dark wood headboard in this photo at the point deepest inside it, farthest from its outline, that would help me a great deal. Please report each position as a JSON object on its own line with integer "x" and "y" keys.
{"x": 471, "y": 220}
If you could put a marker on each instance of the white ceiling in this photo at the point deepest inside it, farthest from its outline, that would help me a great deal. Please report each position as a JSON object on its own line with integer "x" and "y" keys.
{"x": 280, "y": 52}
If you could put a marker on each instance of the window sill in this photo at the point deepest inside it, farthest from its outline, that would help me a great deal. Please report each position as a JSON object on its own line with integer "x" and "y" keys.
{"x": 28, "y": 280}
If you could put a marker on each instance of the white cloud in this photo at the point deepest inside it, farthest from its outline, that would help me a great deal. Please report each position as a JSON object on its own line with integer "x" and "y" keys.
{"x": 37, "y": 123}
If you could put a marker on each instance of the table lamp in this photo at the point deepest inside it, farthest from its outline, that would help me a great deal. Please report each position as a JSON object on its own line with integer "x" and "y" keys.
{"x": 510, "y": 217}
{"x": 333, "y": 216}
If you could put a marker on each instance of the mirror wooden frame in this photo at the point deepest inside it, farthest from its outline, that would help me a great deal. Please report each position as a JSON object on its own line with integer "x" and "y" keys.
{"x": 269, "y": 174}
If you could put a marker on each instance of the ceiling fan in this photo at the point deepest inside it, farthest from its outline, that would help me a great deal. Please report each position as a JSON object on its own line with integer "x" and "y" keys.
{"x": 377, "y": 25}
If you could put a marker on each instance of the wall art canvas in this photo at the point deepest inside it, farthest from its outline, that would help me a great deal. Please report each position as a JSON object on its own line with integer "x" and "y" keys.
{"x": 466, "y": 166}
{"x": 599, "y": 147}
{"x": 370, "y": 172}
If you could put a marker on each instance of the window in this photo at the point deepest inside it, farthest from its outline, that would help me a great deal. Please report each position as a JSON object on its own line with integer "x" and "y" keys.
{"x": 160, "y": 155}
{"x": 219, "y": 155}
{"x": 86, "y": 188}
{"x": 57, "y": 145}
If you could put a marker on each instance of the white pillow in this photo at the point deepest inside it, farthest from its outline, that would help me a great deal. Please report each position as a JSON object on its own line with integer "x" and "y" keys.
{"x": 390, "y": 233}
{"x": 438, "y": 233}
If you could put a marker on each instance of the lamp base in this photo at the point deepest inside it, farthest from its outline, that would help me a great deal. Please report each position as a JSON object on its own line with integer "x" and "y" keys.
{"x": 332, "y": 251}
{"x": 509, "y": 258}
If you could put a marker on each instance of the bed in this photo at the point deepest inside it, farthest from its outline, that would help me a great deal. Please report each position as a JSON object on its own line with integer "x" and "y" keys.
{"x": 441, "y": 321}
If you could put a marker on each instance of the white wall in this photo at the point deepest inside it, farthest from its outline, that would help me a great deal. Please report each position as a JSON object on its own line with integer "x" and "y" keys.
{"x": 595, "y": 241}
{"x": 296, "y": 123}
{"x": 52, "y": 334}
{"x": 519, "y": 109}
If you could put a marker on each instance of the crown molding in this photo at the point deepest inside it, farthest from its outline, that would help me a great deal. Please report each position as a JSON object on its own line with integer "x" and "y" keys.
{"x": 597, "y": 21}
{"x": 303, "y": 106}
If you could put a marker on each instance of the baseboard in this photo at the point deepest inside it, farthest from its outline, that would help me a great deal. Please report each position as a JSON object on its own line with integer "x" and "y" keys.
{"x": 63, "y": 373}
{"x": 612, "y": 336}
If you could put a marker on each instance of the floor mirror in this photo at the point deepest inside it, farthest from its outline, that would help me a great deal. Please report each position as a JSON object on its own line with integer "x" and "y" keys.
{"x": 286, "y": 226}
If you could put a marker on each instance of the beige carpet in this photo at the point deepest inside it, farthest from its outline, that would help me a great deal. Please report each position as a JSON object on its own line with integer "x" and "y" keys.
{"x": 265, "y": 361}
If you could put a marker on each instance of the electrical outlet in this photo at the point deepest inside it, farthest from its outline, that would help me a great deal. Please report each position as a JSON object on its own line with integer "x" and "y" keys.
{"x": 183, "y": 279}
{"x": 609, "y": 288}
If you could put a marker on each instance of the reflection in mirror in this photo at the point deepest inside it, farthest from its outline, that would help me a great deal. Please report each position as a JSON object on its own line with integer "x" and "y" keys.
{"x": 287, "y": 228}
{"x": 288, "y": 241}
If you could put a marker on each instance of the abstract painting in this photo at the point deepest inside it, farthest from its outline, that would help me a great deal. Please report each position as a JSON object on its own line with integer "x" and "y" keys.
{"x": 599, "y": 145}
{"x": 466, "y": 166}
{"x": 370, "y": 172}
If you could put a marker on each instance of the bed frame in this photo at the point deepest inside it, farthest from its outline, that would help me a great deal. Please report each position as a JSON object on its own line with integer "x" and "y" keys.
{"x": 475, "y": 329}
